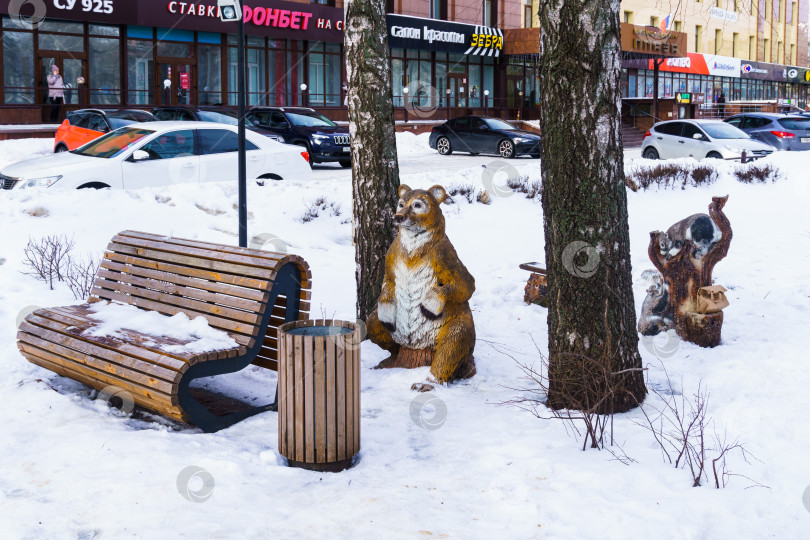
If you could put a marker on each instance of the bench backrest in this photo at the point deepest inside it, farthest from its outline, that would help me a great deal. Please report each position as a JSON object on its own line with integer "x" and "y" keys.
{"x": 229, "y": 286}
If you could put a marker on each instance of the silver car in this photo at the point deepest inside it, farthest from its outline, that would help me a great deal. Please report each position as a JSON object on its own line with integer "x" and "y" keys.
{"x": 700, "y": 139}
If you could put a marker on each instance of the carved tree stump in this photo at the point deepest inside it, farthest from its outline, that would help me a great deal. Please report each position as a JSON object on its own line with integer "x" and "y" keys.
{"x": 686, "y": 272}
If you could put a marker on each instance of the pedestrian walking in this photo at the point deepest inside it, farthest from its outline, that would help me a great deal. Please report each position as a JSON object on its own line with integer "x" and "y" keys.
{"x": 721, "y": 105}
{"x": 56, "y": 93}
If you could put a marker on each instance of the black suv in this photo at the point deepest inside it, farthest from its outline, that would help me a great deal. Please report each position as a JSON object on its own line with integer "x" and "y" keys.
{"x": 222, "y": 115}
{"x": 324, "y": 140}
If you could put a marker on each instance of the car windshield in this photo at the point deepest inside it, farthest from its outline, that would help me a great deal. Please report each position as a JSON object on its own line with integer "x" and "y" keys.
{"x": 114, "y": 143}
{"x": 795, "y": 123}
{"x": 223, "y": 117}
{"x": 309, "y": 120}
{"x": 720, "y": 130}
{"x": 494, "y": 123}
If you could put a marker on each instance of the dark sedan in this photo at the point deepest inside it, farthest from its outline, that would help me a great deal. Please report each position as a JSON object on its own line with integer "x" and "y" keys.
{"x": 783, "y": 132}
{"x": 481, "y": 135}
{"x": 221, "y": 115}
{"x": 324, "y": 140}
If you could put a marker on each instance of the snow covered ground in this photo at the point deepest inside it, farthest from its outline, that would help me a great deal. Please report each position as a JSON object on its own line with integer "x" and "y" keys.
{"x": 71, "y": 468}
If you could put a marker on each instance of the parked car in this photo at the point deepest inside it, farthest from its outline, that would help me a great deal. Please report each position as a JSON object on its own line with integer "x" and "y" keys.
{"x": 482, "y": 135}
{"x": 700, "y": 139}
{"x": 325, "y": 141}
{"x": 159, "y": 154}
{"x": 204, "y": 113}
{"x": 82, "y": 126}
{"x": 783, "y": 132}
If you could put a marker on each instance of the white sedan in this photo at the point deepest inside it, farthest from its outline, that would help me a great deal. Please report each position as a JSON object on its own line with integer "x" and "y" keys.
{"x": 159, "y": 154}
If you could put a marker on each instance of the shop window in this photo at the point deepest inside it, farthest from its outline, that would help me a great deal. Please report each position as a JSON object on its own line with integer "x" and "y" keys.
{"x": 105, "y": 71}
{"x": 49, "y": 25}
{"x": 174, "y": 50}
{"x": 171, "y": 34}
{"x": 324, "y": 2}
{"x": 18, "y": 67}
{"x": 141, "y": 72}
{"x": 324, "y": 76}
{"x": 255, "y": 66}
{"x": 103, "y": 30}
{"x": 140, "y": 32}
{"x": 209, "y": 74}
{"x": 54, "y": 42}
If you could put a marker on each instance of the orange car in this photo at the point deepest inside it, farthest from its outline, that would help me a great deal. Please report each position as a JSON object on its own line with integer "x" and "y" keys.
{"x": 85, "y": 125}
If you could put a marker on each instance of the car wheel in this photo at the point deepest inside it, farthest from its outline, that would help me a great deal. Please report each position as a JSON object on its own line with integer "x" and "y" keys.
{"x": 345, "y": 163}
{"x": 651, "y": 153}
{"x": 61, "y": 148}
{"x": 714, "y": 155}
{"x": 506, "y": 148}
{"x": 443, "y": 146}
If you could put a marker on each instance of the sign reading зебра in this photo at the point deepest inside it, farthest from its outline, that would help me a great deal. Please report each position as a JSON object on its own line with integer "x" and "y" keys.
{"x": 408, "y": 32}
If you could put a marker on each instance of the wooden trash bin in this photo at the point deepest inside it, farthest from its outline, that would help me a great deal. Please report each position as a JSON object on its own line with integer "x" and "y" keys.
{"x": 319, "y": 394}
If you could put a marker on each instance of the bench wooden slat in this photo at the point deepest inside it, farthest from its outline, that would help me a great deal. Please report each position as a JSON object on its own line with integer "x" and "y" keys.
{"x": 114, "y": 361}
{"x": 141, "y": 298}
{"x": 272, "y": 256}
{"x": 99, "y": 380}
{"x": 65, "y": 318}
{"x": 116, "y": 346}
{"x": 223, "y": 289}
{"x": 201, "y": 273}
{"x": 181, "y": 290}
{"x": 193, "y": 262}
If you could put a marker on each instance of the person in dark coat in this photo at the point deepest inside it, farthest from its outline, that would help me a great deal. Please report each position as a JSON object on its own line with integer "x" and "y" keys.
{"x": 56, "y": 92}
{"x": 721, "y": 104}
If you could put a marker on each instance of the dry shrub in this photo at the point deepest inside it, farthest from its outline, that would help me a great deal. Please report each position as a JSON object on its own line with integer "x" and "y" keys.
{"x": 522, "y": 184}
{"x": 50, "y": 259}
{"x": 671, "y": 176}
{"x": 466, "y": 191}
{"x": 756, "y": 173}
{"x": 319, "y": 206}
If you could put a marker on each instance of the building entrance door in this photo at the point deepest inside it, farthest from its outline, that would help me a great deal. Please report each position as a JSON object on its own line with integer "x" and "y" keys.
{"x": 71, "y": 67}
{"x": 457, "y": 84}
{"x": 176, "y": 83}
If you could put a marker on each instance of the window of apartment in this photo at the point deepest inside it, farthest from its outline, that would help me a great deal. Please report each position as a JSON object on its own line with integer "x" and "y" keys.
{"x": 698, "y": 34}
{"x": 752, "y": 48}
{"x": 734, "y": 38}
{"x": 718, "y": 41}
{"x": 490, "y": 12}
{"x": 736, "y": 5}
{"x": 777, "y": 10}
{"x": 677, "y": 26}
{"x": 768, "y": 6}
{"x": 527, "y": 16}
{"x": 791, "y": 60}
{"x": 654, "y": 21}
{"x": 780, "y": 52}
{"x": 794, "y": 11}
{"x": 767, "y": 55}
{"x": 438, "y": 9}
{"x": 628, "y": 17}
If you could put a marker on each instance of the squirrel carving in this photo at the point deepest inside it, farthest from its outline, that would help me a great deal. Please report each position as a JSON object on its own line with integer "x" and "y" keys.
{"x": 423, "y": 313}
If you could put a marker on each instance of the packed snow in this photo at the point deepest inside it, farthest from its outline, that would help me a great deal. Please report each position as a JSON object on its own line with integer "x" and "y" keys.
{"x": 198, "y": 336}
{"x": 457, "y": 463}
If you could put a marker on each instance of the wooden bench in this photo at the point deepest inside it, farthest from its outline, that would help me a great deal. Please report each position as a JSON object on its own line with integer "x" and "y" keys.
{"x": 244, "y": 292}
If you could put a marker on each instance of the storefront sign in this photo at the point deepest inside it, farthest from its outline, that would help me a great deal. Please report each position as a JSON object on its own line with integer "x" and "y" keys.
{"x": 31, "y": 12}
{"x": 652, "y": 41}
{"x": 702, "y": 64}
{"x": 429, "y": 34}
{"x": 185, "y": 81}
{"x": 683, "y": 98}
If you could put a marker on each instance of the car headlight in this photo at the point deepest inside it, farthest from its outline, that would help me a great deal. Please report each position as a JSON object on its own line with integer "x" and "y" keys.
{"x": 522, "y": 140}
{"x": 47, "y": 181}
{"x": 735, "y": 149}
{"x": 321, "y": 139}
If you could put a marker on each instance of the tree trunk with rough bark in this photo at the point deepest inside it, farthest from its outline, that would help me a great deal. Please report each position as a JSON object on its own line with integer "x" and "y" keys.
{"x": 375, "y": 171}
{"x": 594, "y": 361}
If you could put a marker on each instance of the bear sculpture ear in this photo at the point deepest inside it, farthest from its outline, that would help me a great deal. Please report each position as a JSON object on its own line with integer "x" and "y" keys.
{"x": 438, "y": 193}
{"x": 403, "y": 189}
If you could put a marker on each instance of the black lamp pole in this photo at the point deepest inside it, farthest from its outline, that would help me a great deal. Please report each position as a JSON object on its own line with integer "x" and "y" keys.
{"x": 242, "y": 102}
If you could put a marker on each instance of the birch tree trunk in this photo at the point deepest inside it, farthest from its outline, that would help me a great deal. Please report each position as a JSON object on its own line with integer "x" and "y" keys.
{"x": 375, "y": 171}
{"x": 591, "y": 310}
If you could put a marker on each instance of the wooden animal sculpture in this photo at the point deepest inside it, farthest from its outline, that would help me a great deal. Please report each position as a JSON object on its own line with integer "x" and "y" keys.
{"x": 423, "y": 315}
{"x": 685, "y": 256}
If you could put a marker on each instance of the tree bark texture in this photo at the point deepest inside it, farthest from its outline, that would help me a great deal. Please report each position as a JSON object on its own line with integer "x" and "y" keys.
{"x": 375, "y": 171}
{"x": 591, "y": 310}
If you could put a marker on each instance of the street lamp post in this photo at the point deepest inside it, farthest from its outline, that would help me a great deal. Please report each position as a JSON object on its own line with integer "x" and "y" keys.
{"x": 448, "y": 103}
{"x": 304, "y": 100}
{"x": 486, "y": 102}
{"x": 405, "y": 102}
{"x": 231, "y": 11}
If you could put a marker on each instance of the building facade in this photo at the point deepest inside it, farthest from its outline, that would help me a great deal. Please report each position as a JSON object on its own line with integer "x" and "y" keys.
{"x": 453, "y": 56}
